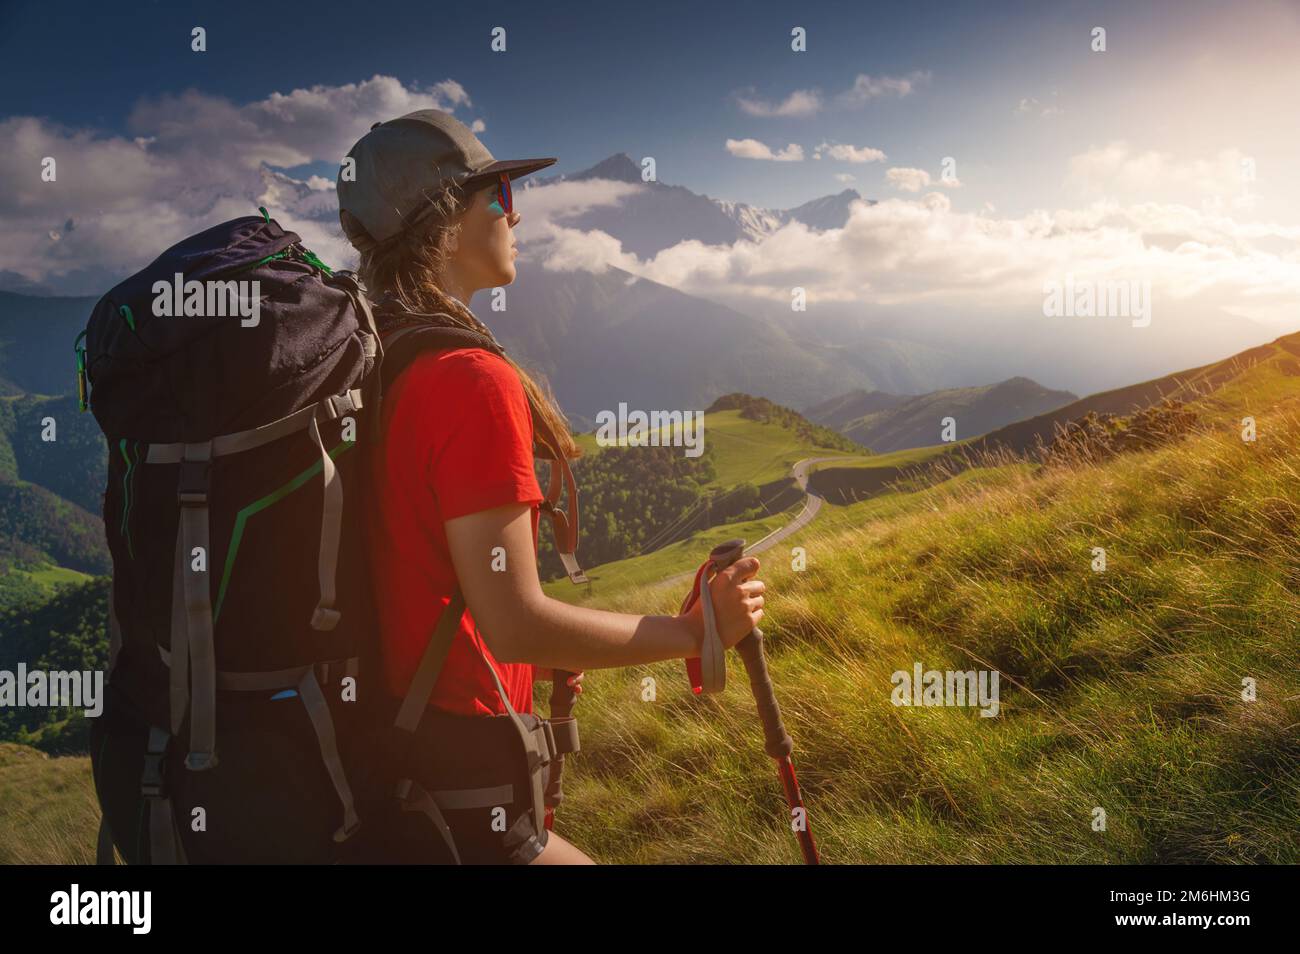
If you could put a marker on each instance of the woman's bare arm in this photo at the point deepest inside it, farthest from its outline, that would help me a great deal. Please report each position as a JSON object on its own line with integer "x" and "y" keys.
{"x": 522, "y": 624}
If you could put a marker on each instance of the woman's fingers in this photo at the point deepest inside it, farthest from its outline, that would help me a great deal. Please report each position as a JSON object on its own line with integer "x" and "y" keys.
{"x": 574, "y": 680}
{"x": 737, "y": 600}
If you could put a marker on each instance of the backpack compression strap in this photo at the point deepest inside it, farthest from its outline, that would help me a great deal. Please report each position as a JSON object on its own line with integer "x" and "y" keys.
{"x": 191, "y": 629}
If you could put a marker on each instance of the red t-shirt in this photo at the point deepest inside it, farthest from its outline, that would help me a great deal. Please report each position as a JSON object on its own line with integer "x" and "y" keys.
{"x": 458, "y": 439}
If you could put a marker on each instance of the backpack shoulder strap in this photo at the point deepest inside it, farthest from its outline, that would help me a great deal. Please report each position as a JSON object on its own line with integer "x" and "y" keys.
{"x": 405, "y": 336}
{"x": 403, "y": 342}
{"x": 564, "y": 525}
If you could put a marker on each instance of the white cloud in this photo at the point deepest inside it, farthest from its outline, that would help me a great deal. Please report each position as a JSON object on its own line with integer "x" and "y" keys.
{"x": 866, "y": 87}
{"x": 847, "y": 153}
{"x": 552, "y": 204}
{"x": 908, "y": 179}
{"x": 905, "y": 251}
{"x": 753, "y": 149}
{"x": 802, "y": 102}
{"x": 810, "y": 102}
{"x": 1118, "y": 169}
{"x": 1029, "y": 106}
{"x": 190, "y": 160}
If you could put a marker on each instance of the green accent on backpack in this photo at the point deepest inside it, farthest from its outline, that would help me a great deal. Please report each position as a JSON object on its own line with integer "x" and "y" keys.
{"x": 313, "y": 260}
{"x": 237, "y": 532}
{"x": 126, "y": 495}
{"x": 80, "y": 351}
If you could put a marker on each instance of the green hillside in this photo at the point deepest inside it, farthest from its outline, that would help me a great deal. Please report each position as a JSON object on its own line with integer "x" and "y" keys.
{"x": 1283, "y": 354}
{"x": 1121, "y": 689}
{"x": 73, "y": 464}
{"x": 38, "y": 527}
{"x": 845, "y": 408}
{"x": 51, "y": 482}
{"x": 752, "y": 450}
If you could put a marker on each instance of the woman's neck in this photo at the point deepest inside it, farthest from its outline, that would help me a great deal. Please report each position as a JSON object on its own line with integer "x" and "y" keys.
{"x": 452, "y": 285}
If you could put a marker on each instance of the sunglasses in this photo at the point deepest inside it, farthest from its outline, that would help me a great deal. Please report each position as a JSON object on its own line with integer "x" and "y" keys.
{"x": 503, "y": 201}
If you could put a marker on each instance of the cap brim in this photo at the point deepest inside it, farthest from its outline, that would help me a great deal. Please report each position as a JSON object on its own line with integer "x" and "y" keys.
{"x": 514, "y": 168}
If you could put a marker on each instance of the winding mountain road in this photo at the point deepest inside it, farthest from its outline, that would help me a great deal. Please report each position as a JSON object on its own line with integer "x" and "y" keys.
{"x": 811, "y": 506}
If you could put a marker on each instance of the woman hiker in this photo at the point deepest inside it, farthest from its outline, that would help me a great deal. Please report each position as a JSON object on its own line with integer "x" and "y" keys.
{"x": 456, "y": 497}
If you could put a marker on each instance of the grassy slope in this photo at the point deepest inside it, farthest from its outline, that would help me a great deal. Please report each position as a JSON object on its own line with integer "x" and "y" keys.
{"x": 50, "y": 815}
{"x": 1120, "y": 689}
{"x": 51, "y": 576}
{"x": 1283, "y": 353}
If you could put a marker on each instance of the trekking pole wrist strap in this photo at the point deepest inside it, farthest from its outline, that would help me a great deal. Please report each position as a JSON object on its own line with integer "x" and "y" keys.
{"x": 708, "y": 671}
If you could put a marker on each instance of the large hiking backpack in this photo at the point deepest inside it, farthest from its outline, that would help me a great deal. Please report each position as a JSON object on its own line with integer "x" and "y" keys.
{"x": 244, "y": 637}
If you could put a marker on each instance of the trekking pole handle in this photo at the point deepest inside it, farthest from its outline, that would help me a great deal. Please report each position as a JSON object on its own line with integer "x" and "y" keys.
{"x": 562, "y": 695}
{"x": 777, "y": 740}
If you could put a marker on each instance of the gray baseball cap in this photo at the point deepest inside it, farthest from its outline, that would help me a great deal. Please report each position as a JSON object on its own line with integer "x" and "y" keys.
{"x": 401, "y": 164}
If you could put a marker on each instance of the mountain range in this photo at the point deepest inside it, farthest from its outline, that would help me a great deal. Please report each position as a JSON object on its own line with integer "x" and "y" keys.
{"x": 891, "y": 422}
{"x": 659, "y": 216}
{"x": 605, "y": 337}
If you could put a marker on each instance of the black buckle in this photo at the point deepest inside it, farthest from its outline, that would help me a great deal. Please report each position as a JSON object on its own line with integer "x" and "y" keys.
{"x": 549, "y": 736}
{"x": 152, "y": 781}
{"x": 192, "y": 483}
{"x": 538, "y": 755}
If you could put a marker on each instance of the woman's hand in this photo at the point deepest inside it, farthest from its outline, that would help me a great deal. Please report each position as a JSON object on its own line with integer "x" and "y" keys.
{"x": 737, "y": 603}
{"x": 574, "y": 681}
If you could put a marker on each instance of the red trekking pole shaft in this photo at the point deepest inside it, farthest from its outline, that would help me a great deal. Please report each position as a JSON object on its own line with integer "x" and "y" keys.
{"x": 777, "y": 741}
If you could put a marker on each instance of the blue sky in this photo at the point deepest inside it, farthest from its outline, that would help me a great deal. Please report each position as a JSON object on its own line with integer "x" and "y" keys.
{"x": 1127, "y": 164}
{"x": 583, "y": 80}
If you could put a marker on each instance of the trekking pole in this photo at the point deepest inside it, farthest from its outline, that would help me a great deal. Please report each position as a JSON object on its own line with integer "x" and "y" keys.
{"x": 777, "y": 741}
{"x": 562, "y": 700}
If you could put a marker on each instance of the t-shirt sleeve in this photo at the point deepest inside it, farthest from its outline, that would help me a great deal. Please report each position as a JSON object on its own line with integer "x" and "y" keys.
{"x": 478, "y": 431}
